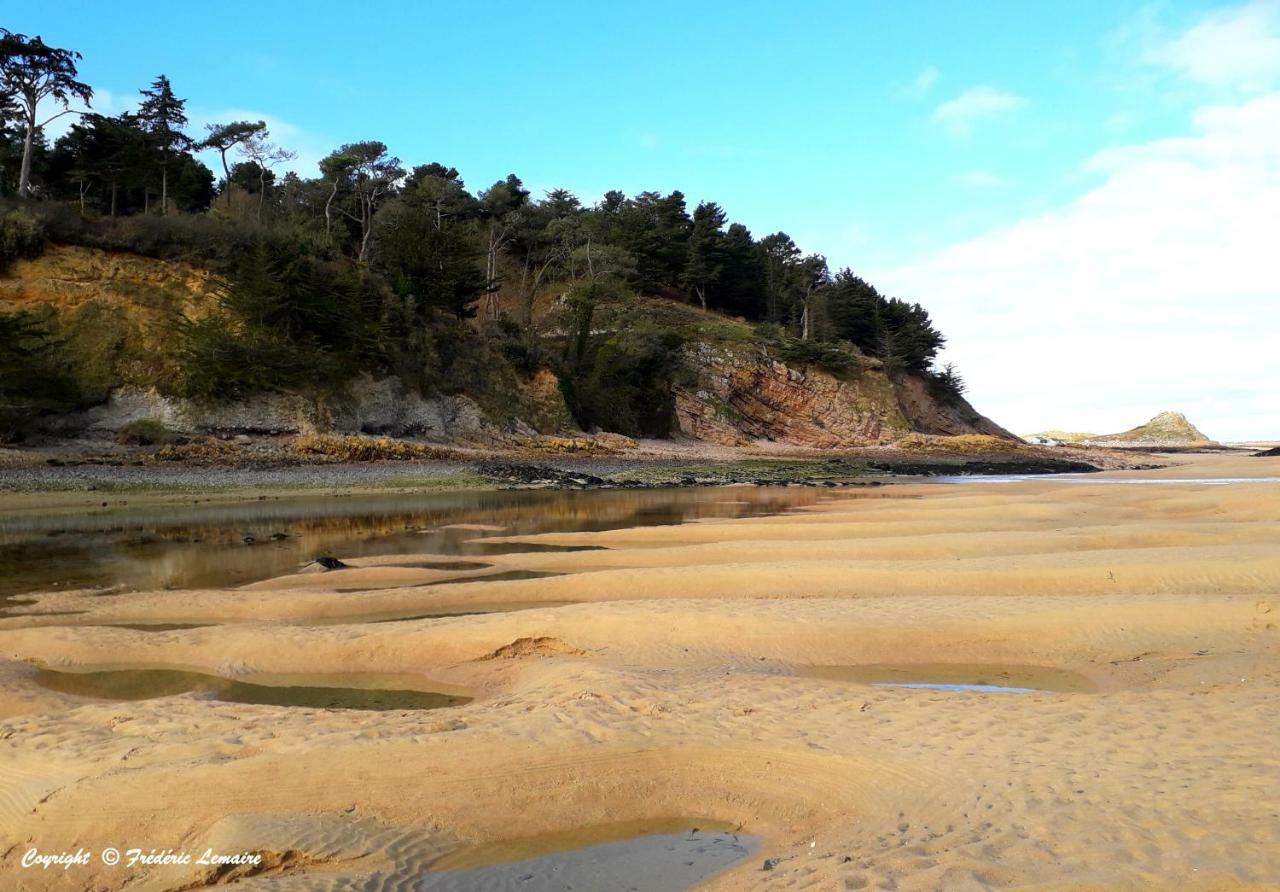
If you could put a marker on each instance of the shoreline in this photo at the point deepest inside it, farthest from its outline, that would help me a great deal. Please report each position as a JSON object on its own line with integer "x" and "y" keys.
{"x": 68, "y": 480}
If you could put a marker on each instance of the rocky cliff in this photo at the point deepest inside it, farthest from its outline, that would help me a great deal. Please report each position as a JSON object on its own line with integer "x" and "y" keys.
{"x": 743, "y": 394}
{"x": 1168, "y": 430}
{"x": 113, "y": 311}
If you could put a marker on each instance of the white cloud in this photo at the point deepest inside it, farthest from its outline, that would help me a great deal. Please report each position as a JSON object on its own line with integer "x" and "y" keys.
{"x": 1237, "y": 47}
{"x": 980, "y": 179}
{"x": 977, "y": 103}
{"x": 923, "y": 82}
{"x": 104, "y": 102}
{"x": 107, "y": 103}
{"x": 1156, "y": 289}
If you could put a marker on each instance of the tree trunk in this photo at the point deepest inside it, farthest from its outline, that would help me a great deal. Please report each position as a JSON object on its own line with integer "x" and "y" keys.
{"x": 366, "y": 225}
{"x": 114, "y": 188}
{"x": 328, "y": 218}
{"x": 524, "y": 294}
{"x": 804, "y": 321}
{"x": 491, "y": 262}
{"x": 262, "y": 189}
{"x": 164, "y": 189}
{"x": 227, "y": 181}
{"x": 702, "y": 297}
{"x": 24, "y": 175}
{"x": 531, "y": 289}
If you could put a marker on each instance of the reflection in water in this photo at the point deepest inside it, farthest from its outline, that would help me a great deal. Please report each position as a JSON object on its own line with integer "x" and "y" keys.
{"x": 659, "y": 854}
{"x": 158, "y": 627}
{"x": 216, "y": 545}
{"x": 346, "y": 691}
{"x": 957, "y": 677}
{"x": 946, "y": 686}
{"x": 1118, "y": 481}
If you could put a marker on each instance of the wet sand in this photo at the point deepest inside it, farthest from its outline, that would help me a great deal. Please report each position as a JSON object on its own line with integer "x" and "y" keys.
{"x": 722, "y": 670}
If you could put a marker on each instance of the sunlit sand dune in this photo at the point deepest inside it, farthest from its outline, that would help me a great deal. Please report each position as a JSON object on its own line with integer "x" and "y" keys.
{"x": 743, "y": 673}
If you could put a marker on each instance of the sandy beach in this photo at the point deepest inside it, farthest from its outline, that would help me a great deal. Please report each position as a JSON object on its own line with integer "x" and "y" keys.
{"x": 742, "y": 672}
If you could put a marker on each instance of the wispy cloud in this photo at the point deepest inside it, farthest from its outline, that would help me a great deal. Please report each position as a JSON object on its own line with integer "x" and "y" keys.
{"x": 923, "y": 83}
{"x": 106, "y": 102}
{"x": 1169, "y": 261}
{"x": 1237, "y": 48}
{"x": 959, "y": 115}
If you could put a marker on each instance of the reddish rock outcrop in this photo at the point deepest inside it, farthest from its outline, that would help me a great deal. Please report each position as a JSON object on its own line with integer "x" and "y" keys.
{"x": 743, "y": 394}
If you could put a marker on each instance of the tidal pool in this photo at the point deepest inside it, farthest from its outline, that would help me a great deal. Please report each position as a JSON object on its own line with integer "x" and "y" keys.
{"x": 981, "y": 677}
{"x": 221, "y": 544}
{"x": 660, "y": 855}
{"x": 359, "y": 690}
{"x": 1117, "y": 481}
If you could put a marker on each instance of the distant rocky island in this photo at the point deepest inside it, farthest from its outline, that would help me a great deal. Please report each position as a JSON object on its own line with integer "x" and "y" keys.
{"x": 1167, "y": 430}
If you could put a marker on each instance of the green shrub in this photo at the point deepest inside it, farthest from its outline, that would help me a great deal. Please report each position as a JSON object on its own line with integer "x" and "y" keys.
{"x": 284, "y": 322}
{"x": 836, "y": 358}
{"x": 22, "y": 235}
{"x": 946, "y": 386}
{"x": 32, "y": 380}
{"x": 196, "y": 238}
{"x": 220, "y": 359}
{"x": 476, "y": 363}
{"x": 105, "y": 349}
{"x": 625, "y": 383}
{"x": 355, "y": 448}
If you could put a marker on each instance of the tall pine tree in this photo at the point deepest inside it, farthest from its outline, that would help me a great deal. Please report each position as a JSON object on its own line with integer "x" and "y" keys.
{"x": 163, "y": 116}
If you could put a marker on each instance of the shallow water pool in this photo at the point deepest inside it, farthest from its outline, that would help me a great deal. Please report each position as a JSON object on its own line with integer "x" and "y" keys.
{"x": 662, "y": 855}
{"x": 371, "y": 691}
{"x": 221, "y": 544}
{"x": 980, "y": 677}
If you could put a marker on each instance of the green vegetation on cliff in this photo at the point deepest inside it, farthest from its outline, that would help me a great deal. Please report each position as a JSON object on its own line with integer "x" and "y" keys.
{"x": 375, "y": 267}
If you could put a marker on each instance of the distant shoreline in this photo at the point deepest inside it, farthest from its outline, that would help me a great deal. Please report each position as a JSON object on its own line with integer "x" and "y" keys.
{"x": 88, "y": 479}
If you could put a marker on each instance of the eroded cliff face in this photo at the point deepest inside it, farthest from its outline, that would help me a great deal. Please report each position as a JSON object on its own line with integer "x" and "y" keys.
{"x": 374, "y": 406}
{"x": 928, "y": 415}
{"x": 366, "y": 405}
{"x": 67, "y": 278}
{"x": 115, "y": 313}
{"x": 115, "y": 310}
{"x": 742, "y": 394}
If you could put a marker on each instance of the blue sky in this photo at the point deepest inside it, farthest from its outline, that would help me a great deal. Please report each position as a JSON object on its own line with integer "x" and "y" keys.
{"x": 919, "y": 143}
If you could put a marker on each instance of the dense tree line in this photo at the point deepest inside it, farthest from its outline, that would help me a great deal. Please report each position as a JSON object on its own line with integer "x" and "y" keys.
{"x": 374, "y": 262}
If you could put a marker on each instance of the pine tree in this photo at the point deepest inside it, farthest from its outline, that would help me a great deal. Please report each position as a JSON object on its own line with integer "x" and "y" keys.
{"x": 704, "y": 262}
{"x": 163, "y": 116}
{"x": 30, "y": 72}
